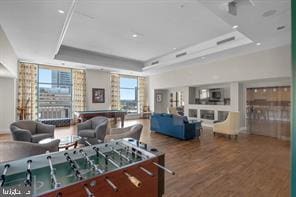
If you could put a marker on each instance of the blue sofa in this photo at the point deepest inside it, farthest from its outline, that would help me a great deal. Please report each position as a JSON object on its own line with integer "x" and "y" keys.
{"x": 175, "y": 126}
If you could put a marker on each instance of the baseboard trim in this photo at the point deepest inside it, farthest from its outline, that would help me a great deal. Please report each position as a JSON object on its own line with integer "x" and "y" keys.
{"x": 4, "y": 131}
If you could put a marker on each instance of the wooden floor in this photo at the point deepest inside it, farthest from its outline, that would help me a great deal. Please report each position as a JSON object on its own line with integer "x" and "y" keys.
{"x": 216, "y": 166}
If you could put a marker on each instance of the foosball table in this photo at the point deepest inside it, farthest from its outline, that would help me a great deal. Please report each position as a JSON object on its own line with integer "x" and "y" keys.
{"x": 123, "y": 167}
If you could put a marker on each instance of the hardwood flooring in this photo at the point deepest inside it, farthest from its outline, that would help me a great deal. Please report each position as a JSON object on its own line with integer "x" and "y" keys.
{"x": 216, "y": 166}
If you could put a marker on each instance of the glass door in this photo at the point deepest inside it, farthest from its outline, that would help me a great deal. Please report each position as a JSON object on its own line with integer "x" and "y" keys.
{"x": 268, "y": 111}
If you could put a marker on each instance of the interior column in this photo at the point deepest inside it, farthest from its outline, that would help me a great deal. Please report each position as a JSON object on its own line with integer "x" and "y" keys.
{"x": 293, "y": 134}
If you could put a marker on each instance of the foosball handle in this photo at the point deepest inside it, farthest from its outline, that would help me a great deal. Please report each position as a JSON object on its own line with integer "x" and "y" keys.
{"x": 111, "y": 184}
{"x": 136, "y": 182}
{"x": 88, "y": 192}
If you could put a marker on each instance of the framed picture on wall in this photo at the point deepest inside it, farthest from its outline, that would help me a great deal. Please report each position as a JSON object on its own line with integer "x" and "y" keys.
{"x": 158, "y": 97}
{"x": 98, "y": 95}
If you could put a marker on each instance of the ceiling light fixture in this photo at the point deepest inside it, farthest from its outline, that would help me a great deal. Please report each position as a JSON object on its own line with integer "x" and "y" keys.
{"x": 174, "y": 48}
{"x": 235, "y": 27}
{"x": 258, "y": 43}
{"x": 61, "y": 11}
{"x": 135, "y": 35}
{"x": 281, "y": 27}
{"x": 269, "y": 13}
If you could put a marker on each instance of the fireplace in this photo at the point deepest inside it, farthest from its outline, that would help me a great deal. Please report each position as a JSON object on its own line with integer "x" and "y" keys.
{"x": 207, "y": 114}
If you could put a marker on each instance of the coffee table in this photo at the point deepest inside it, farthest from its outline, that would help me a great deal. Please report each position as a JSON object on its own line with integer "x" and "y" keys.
{"x": 65, "y": 142}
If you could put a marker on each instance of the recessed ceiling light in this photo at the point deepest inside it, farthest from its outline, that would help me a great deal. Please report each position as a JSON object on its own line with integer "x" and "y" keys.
{"x": 135, "y": 35}
{"x": 258, "y": 43}
{"x": 269, "y": 13}
{"x": 281, "y": 27}
{"x": 174, "y": 48}
{"x": 235, "y": 27}
{"x": 61, "y": 11}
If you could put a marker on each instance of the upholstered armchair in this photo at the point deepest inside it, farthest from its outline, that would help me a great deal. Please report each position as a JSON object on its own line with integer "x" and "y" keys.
{"x": 230, "y": 126}
{"x": 13, "y": 150}
{"x": 127, "y": 132}
{"x": 93, "y": 130}
{"x": 31, "y": 131}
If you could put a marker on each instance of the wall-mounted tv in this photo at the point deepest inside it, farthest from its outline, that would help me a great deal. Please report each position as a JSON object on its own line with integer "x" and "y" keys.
{"x": 216, "y": 94}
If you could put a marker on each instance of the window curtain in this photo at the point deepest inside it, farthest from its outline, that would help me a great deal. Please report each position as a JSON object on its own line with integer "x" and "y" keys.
{"x": 141, "y": 93}
{"x": 78, "y": 90}
{"x": 27, "y": 91}
{"x": 115, "y": 91}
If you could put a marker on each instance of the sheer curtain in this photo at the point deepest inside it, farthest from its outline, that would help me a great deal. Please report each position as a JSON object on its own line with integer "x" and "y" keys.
{"x": 78, "y": 90}
{"x": 27, "y": 91}
{"x": 141, "y": 93}
{"x": 115, "y": 91}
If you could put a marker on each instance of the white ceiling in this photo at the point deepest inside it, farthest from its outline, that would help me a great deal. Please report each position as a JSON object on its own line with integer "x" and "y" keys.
{"x": 108, "y": 26}
{"x": 33, "y": 27}
{"x": 105, "y": 27}
{"x": 252, "y": 22}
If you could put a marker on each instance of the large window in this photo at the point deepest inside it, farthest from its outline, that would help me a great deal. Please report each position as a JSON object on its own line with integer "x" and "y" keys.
{"x": 54, "y": 93}
{"x": 129, "y": 94}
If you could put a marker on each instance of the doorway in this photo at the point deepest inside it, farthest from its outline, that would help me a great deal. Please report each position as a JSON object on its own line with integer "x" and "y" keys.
{"x": 268, "y": 111}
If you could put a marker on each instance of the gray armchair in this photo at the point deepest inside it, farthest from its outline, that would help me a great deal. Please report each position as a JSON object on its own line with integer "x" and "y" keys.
{"x": 31, "y": 131}
{"x": 13, "y": 150}
{"x": 127, "y": 132}
{"x": 93, "y": 130}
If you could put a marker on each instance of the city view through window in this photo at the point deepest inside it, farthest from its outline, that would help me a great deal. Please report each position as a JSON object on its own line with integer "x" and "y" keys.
{"x": 129, "y": 94}
{"x": 54, "y": 94}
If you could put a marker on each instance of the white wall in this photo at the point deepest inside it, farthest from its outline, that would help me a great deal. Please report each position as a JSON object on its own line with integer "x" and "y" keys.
{"x": 8, "y": 57}
{"x": 7, "y": 103}
{"x": 234, "y": 103}
{"x": 161, "y": 107}
{"x": 97, "y": 79}
{"x": 8, "y": 73}
{"x": 273, "y": 63}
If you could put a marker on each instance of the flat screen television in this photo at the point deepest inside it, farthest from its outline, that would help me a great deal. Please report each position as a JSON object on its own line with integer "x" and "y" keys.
{"x": 216, "y": 94}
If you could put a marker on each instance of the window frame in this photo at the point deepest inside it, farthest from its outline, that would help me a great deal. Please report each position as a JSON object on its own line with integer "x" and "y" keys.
{"x": 128, "y": 88}
{"x": 70, "y": 86}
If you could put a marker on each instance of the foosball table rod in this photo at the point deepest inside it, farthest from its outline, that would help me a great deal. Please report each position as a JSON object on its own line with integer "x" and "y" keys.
{"x": 146, "y": 171}
{"x": 136, "y": 182}
{"x": 164, "y": 168}
{"x": 121, "y": 155}
{"x": 105, "y": 156}
{"x": 28, "y": 181}
{"x": 135, "y": 152}
{"x": 111, "y": 184}
{"x": 52, "y": 173}
{"x": 88, "y": 192}
{"x": 73, "y": 166}
{"x": 90, "y": 162}
{"x": 2, "y": 180}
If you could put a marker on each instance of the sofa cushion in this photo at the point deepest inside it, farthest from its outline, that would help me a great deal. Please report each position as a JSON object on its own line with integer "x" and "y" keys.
{"x": 179, "y": 120}
{"x": 87, "y": 133}
{"x": 40, "y": 136}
